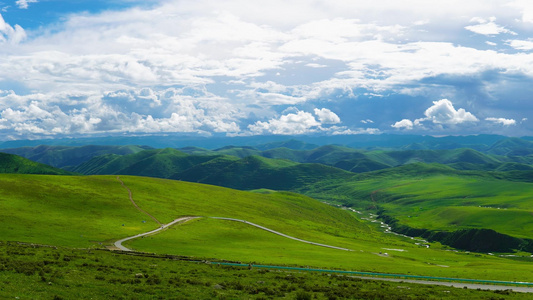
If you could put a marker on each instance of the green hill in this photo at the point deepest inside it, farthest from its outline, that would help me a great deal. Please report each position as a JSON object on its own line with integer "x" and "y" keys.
{"x": 68, "y": 157}
{"x": 359, "y": 161}
{"x": 10, "y": 163}
{"x": 250, "y": 172}
{"x": 94, "y": 211}
{"x": 437, "y": 202}
{"x": 512, "y": 147}
{"x": 162, "y": 163}
{"x": 256, "y": 172}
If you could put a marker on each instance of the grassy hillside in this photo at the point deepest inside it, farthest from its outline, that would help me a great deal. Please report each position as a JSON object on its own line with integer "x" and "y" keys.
{"x": 161, "y": 163}
{"x": 68, "y": 157}
{"x": 422, "y": 200}
{"x": 95, "y": 210}
{"x": 358, "y": 161}
{"x": 256, "y": 172}
{"x": 10, "y": 163}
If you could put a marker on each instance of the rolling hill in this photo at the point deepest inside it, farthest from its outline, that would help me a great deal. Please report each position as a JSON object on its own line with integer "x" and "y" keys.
{"x": 68, "y": 157}
{"x": 10, "y": 163}
{"x": 93, "y": 211}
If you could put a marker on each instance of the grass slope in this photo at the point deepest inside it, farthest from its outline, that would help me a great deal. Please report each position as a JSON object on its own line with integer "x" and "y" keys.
{"x": 68, "y": 157}
{"x": 10, "y": 163}
{"x": 86, "y": 211}
{"x": 438, "y": 198}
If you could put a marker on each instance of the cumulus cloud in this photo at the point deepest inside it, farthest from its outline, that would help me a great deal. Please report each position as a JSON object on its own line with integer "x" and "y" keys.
{"x": 405, "y": 123}
{"x": 295, "y": 123}
{"x": 443, "y": 112}
{"x": 150, "y": 112}
{"x": 326, "y": 116}
{"x": 13, "y": 35}
{"x": 502, "y": 121}
{"x": 23, "y": 4}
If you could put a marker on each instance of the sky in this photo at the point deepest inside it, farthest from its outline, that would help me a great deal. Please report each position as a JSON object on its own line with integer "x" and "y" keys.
{"x": 84, "y": 68}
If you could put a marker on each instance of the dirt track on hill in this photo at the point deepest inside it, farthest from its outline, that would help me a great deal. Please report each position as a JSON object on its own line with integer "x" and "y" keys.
{"x": 118, "y": 244}
{"x": 281, "y": 234}
{"x": 135, "y": 204}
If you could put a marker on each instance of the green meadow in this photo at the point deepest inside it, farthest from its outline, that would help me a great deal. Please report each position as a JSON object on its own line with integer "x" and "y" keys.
{"x": 29, "y": 272}
{"x": 94, "y": 211}
{"x": 451, "y": 202}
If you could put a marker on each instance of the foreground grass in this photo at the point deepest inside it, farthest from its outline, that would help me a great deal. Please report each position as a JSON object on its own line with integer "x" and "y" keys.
{"x": 29, "y": 272}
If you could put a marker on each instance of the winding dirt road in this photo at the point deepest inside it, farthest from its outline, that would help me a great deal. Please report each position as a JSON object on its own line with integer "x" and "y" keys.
{"x": 118, "y": 243}
{"x": 281, "y": 234}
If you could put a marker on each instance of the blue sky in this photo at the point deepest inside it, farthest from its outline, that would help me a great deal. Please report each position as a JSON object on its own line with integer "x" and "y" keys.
{"x": 237, "y": 68}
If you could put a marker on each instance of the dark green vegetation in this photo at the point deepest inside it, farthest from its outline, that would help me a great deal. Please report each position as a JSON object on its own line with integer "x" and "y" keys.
{"x": 30, "y": 272}
{"x": 10, "y": 163}
{"x": 502, "y": 155}
{"x": 68, "y": 157}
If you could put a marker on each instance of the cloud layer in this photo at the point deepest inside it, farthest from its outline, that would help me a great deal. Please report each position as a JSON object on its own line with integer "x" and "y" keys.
{"x": 235, "y": 67}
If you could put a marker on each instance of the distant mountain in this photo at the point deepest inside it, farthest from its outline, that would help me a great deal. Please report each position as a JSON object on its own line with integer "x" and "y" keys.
{"x": 67, "y": 156}
{"x": 250, "y": 172}
{"x": 289, "y": 144}
{"x": 300, "y": 142}
{"x": 162, "y": 163}
{"x": 10, "y": 163}
{"x": 358, "y": 161}
{"x": 254, "y": 172}
{"x": 505, "y": 154}
{"x": 512, "y": 147}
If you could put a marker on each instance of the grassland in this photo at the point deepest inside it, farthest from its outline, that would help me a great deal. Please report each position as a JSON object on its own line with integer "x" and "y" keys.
{"x": 91, "y": 212}
{"x": 448, "y": 202}
{"x": 29, "y": 272}
{"x": 10, "y": 163}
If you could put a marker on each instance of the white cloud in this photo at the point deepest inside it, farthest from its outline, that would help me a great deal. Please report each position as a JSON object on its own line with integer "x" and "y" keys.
{"x": 23, "y": 4}
{"x": 488, "y": 27}
{"x": 502, "y": 121}
{"x": 326, "y": 116}
{"x": 405, "y": 123}
{"x": 367, "y": 121}
{"x": 443, "y": 112}
{"x": 225, "y": 55}
{"x": 119, "y": 111}
{"x": 299, "y": 123}
{"x": 13, "y": 35}
{"x": 440, "y": 113}
{"x": 345, "y": 131}
{"x": 526, "y": 45}
{"x": 526, "y": 9}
